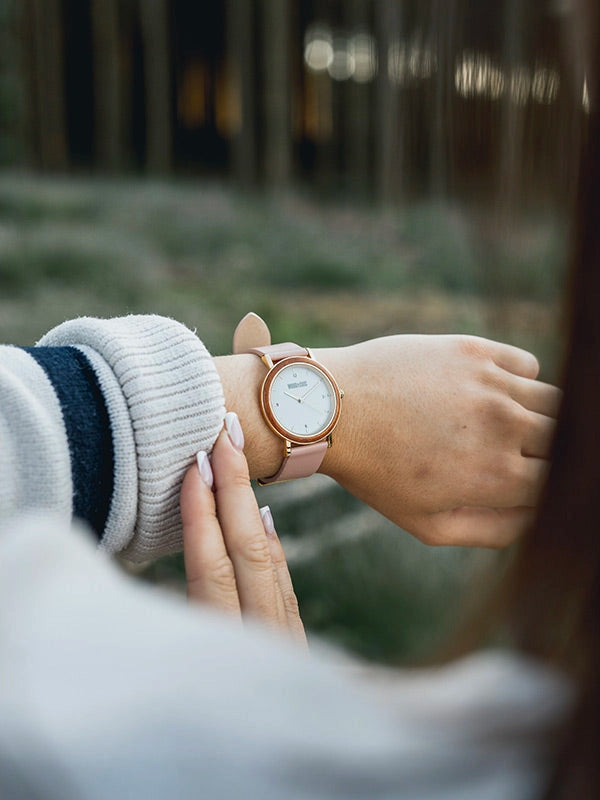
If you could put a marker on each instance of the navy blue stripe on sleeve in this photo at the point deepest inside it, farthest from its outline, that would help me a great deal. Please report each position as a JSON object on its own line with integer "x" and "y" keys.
{"x": 88, "y": 430}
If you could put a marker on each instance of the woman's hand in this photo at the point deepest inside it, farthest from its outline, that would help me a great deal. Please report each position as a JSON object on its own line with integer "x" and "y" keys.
{"x": 233, "y": 558}
{"x": 448, "y": 436}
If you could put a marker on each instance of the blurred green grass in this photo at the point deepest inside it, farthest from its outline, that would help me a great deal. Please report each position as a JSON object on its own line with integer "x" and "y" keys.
{"x": 206, "y": 254}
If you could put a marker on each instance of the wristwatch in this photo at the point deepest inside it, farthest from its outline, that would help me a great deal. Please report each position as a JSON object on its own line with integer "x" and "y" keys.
{"x": 299, "y": 399}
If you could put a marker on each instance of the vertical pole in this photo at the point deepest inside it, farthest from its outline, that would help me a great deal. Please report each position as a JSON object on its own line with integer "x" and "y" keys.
{"x": 513, "y": 115}
{"x": 50, "y": 83}
{"x": 276, "y": 89}
{"x": 388, "y": 132}
{"x": 108, "y": 126}
{"x": 443, "y": 21}
{"x": 28, "y": 81}
{"x": 241, "y": 54}
{"x": 510, "y": 163}
{"x": 156, "y": 32}
{"x": 357, "y": 112}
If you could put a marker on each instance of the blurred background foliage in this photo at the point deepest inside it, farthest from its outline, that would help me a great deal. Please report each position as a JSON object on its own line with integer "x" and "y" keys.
{"x": 346, "y": 168}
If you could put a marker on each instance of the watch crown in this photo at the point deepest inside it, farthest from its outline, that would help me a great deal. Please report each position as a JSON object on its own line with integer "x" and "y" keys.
{"x": 341, "y": 393}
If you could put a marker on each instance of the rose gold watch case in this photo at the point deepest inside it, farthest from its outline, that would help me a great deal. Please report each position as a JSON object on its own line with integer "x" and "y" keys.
{"x": 269, "y": 415}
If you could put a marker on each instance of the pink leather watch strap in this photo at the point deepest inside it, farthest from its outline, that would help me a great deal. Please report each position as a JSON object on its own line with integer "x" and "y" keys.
{"x": 301, "y": 462}
{"x": 277, "y": 352}
{"x": 251, "y": 331}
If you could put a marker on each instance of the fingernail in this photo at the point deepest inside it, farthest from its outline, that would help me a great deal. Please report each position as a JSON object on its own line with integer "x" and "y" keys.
{"x": 234, "y": 429}
{"x": 268, "y": 524}
{"x": 204, "y": 468}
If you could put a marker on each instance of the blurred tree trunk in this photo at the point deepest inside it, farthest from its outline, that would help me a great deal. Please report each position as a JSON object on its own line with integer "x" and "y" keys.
{"x": 389, "y": 144}
{"x": 49, "y": 83}
{"x": 241, "y": 73}
{"x": 357, "y": 112}
{"x": 156, "y": 31}
{"x": 28, "y": 64}
{"x": 277, "y": 109}
{"x": 510, "y": 165}
{"x": 444, "y": 14}
{"x": 129, "y": 26}
{"x": 510, "y": 161}
{"x": 330, "y": 114}
{"x": 108, "y": 124}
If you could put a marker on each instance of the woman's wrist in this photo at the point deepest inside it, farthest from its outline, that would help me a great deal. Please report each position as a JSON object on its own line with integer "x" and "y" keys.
{"x": 242, "y": 376}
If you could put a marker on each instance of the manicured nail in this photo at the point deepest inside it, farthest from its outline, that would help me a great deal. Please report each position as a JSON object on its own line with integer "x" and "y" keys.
{"x": 234, "y": 429}
{"x": 268, "y": 524}
{"x": 204, "y": 468}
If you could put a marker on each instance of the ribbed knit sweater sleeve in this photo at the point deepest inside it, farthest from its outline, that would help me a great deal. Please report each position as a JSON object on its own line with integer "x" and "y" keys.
{"x": 101, "y": 419}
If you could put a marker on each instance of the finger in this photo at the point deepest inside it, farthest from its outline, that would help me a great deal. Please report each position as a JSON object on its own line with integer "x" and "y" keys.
{"x": 209, "y": 571}
{"x": 265, "y": 514}
{"x": 477, "y": 527}
{"x": 242, "y": 526}
{"x": 539, "y": 436}
{"x": 513, "y": 359}
{"x": 284, "y": 580}
{"x": 533, "y": 472}
{"x": 508, "y": 481}
{"x": 281, "y": 615}
{"x": 535, "y": 395}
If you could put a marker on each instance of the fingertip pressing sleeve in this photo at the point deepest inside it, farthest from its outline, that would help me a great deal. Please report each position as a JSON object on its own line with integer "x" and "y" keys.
{"x": 165, "y": 402}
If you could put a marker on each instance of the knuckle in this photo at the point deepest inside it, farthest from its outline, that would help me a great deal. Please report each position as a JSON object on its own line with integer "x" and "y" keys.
{"x": 255, "y": 550}
{"x": 510, "y": 469}
{"x": 429, "y": 534}
{"x": 473, "y": 347}
{"x": 535, "y": 364}
{"x": 221, "y": 572}
{"x": 507, "y": 414}
{"x": 431, "y": 539}
{"x": 238, "y": 479}
{"x": 490, "y": 407}
{"x": 521, "y": 419}
{"x": 490, "y": 376}
{"x": 500, "y": 411}
{"x": 290, "y": 601}
{"x": 552, "y": 399}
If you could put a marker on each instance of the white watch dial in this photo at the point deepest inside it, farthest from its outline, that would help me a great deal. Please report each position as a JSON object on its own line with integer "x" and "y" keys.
{"x": 302, "y": 399}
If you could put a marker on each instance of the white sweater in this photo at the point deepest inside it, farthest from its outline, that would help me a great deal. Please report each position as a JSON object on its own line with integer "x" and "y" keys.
{"x": 110, "y": 689}
{"x": 164, "y": 402}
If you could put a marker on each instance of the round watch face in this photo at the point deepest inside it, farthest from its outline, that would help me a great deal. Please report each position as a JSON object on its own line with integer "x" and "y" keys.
{"x": 300, "y": 400}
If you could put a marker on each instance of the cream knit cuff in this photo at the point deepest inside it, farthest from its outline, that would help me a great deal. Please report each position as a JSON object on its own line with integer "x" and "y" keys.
{"x": 170, "y": 406}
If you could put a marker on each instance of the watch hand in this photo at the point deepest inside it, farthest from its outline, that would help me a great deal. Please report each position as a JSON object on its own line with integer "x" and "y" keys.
{"x": 297, "y": 399}
{"x": 312, "y": 408}
{"x": 304, "y": 396}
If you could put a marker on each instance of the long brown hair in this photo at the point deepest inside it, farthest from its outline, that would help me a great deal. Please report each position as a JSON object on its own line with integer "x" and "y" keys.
{"x": 551, "y": 596}
{"x": 548, "y": 599}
